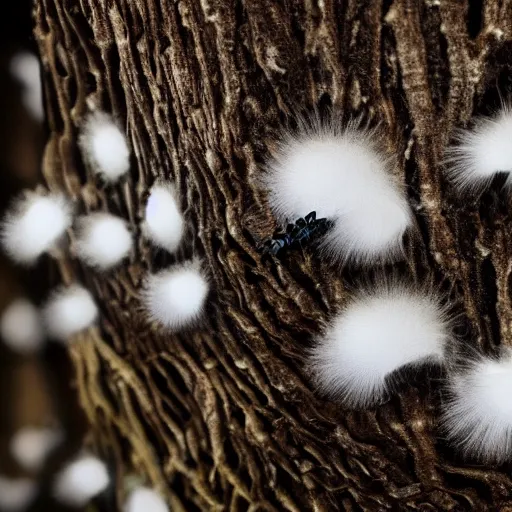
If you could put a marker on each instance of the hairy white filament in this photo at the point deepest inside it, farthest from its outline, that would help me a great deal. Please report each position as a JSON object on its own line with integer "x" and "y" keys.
{"x": 104, "y": 146}
{"x": 481, "y": 152}
{"x": 69, "y": 310}
{"x": 343, "y": 173}
{"x": 21, "y": 326}
{"x": 379, "y": 332}
{"x": 164, "y": 223}
{"x": 34, "y": 225}
{"x": 175, "y": 297}
{"x": 80, "y": 481}
{"x": 478, "y": 415}
{"x": 104, "y": 240}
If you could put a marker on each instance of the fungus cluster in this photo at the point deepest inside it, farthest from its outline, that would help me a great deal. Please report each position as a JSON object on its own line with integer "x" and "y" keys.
{"x": 44, "y": 221}
{"x": 345, "y": 175}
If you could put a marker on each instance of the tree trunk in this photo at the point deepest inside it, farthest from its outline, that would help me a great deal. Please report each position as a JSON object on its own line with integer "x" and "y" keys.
{"x": 225, "y": 417}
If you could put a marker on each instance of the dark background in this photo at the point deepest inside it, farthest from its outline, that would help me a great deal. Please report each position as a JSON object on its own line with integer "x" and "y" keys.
{"x": 34, "y": 390}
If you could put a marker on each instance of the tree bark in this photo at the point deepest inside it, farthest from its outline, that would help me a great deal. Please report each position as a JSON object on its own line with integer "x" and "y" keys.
{"x": 225, "y": 417}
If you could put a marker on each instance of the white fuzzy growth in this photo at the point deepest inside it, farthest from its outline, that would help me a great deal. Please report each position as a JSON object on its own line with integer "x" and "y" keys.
{"x": 31, "y": 446}
{"x": 104, "y": 240}
{"x": 21, "y": 327}
{"x": 163, "y": 219}
{"x": 26, "y": 69}
{"x": 81, "y": 481}
{"x": 371, "y": 234}
{"x": 480, "y": 153}
{"x": 69, "y": 311}
{"x": 379, "y": 332}
{"x": 478, "y": 417}
{"x": 34, "y": 225}
{"x": 104, "y": 146}
{"x": 342, "y": 174}
{"x": 16, "y": 494}
{"x": 143, "y": 499}
{"x": 175, "y": 297}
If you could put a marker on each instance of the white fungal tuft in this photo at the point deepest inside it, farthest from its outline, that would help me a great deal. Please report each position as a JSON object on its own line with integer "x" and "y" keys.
{"x": 175, "y": 297}
{"x": 34, "y": 225}
{"x": 81, "y": 481}
{"x": 478, "y": 416}
{"x": 104, "y": 146}
{"x": 104, "y": 240}
{"x": 143, "y": 499}
{"x": 21, "y": 327}
{"x": 381, "y": 331}
{"x": 31, "y": 446}
{"x": 17, "y": 494}
{"x": 342, "y": 174}
{"x": 366, "y": 236}
{"x": 478, "y": 154}
{"x": 68, "y": 311}
{"x": 26, "y": 69}
{"x": 163, "y": 219}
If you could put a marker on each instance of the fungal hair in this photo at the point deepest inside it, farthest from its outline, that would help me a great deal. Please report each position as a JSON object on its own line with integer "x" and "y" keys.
{"x": 25, "y": 68}
{"x": 348, "y": 242}
{"x": 175, "y": 297}
{"x": 30, "y": 446}
{"x": 69, "y": 310}
{"x": 17, "y": 494}
{"x": 479, "y": 153}
{"x": 163, "y": 221}
{"x": 104, "y": 240}
{"x": 346, "y": 173}
{"x": 21, "y": 326}
{"x": 380, "y": 331}
{"x": 34, "y": 224}
{"x": 477, "y": 415}
{"x": 145, "y": 499}
{"x": 104, "y": 146}
{"x": 80, "y": 481}
{"x": 322, "y": 135}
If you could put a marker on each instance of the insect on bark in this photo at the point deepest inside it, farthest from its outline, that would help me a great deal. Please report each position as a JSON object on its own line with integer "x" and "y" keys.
{"x": 303, "y": 231}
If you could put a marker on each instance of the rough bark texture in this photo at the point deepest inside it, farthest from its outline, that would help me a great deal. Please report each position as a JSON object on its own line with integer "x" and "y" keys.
{"x": 224, "y": 417}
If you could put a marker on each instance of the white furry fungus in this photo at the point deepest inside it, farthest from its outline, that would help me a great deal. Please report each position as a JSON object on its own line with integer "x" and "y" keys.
{"x": 30, "y": 446}
{"x": 104, "y": 240}
{"x": 21, "y": 327}
{"x": 80, "y": 481}
{"x": 379, "y": 332}
{"x": 164, "y": 223}
{"x": 480, "y": 153}
{"x": 34, "y": 225}
{"x": 17, "y": 494}
{"x": 26, "y": 69}
{"x": 478, "y": 416}
{"x": 343, "y": 174}
{"x": 175, "y": 297}
{"x": 104, "y": 146}
{"x": 144, "y": 499}
{"x": 68, "y": 311}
